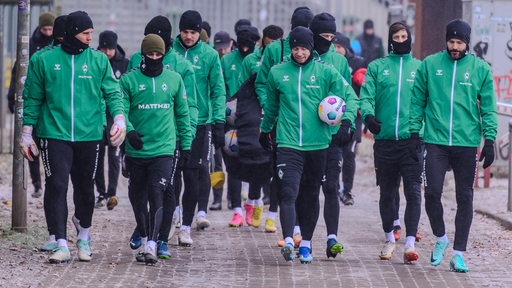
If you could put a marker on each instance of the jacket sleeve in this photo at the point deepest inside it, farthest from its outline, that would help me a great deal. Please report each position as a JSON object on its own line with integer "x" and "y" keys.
{"x": 111, "y": 90}
{"x": 488, "y": 110}
{"x": 181, "y": 114}
{"x": 368, "y": 92}
{"x": 134, "y": 61}
{"x": 345, "y": 70}
{"x": 261, "y": 79}
{"x": 340, "y": 86}
{"x": 272, "y": 105}
{"x": 34, "y": 93}
{"x": 189, "y": 81}
{"x": 217, "y": 91}
{"x": 418, "y": 99}
{"x": 126, "y": 100}
{"x": 245, "y": 72}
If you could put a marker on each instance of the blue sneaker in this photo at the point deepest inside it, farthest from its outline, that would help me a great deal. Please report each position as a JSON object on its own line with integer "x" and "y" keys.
{"x": 163, "y": 251}
{"x": 438, "y": 253}
{"x": 135, "y": 240}
{"x": 457, "y": 264}
{"x": 305, "y": 255}
{"x": 287, "y": 252}
{"x": 333, "y": 248}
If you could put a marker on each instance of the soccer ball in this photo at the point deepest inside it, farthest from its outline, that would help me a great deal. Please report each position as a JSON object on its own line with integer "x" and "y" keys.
{"x": 231, "y": 112}
{"x": 331, "y": 109}
{"x": 231, "y": 143}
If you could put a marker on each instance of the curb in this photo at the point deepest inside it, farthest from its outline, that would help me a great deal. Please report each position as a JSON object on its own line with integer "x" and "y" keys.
{"x": 505, "y": 219}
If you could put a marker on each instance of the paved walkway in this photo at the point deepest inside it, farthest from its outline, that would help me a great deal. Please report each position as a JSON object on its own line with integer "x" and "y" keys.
{"x": 247, "y": 257}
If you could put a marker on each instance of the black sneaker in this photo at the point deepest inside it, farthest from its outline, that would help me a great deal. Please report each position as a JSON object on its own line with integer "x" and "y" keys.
{"x": 266, "y": 200}
{"x": 100, "y": 202}
{"x": 346, "y": 198}
{"x": 216, "y": 206}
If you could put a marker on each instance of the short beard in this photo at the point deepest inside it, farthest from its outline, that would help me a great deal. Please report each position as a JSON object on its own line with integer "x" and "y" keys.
{"x": 462, "y": 53}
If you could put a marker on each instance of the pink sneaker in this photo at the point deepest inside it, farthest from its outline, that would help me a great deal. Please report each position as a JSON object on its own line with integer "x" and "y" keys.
{"x": 249, "y": 210}
{"x": 237, "y": 221}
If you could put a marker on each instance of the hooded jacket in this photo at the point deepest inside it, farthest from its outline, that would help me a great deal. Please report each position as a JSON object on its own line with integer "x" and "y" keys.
{"x": 386, "y": 93}
{"x": 457, "y": 100}
{"x": 294, "y": 93}
{"x": 210, "y": 87}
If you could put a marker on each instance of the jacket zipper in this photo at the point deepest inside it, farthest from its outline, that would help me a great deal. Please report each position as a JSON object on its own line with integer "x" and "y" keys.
{"x": 72, "y": 98}
{"x": 300, "y": 107}
{"x": 154, "y": 88}
{"x": 398, "y": 99}
{"x": 451, "y": 101}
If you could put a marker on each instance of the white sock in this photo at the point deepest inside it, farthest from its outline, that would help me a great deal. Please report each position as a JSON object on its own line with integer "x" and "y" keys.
{"x": 332, "y": 236}
{"x": 396, "y": 222}
{"x": 271, "y": 215}
{"x": 201, "y": 214}
{"x": 443, "y": 238}
{"x": 51, "y": 238}
{"x": 389, "y": 237}
{"x": 409, "y": 241}
{"x": 176, "y": 212}
{"x": 289, "y": 240}
{"x": 250, "y": 202}
{"x": 186, "y": 228}
{"x": 238, "y": 210}
{"x": 259, "y": 202}
{"x": 151, "y": 244}
{"x": 456, "y": 252}
{"x": 83, "y": 234}
{"x": 296, "y": 230}
{"x": 62, "y": 243}
{"x": 305, "y": 243}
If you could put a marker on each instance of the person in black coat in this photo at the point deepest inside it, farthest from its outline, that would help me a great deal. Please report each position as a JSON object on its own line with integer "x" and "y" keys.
{"x": 119, "y": 62}
{"x": 371, "y": 44}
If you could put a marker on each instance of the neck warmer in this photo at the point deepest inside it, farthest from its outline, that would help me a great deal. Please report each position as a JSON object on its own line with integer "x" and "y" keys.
{"x": 151, "y": 67}
{"x": 321, "y": 45}
{"x": 401, "y": 48}
{"x": 73, "y": 46}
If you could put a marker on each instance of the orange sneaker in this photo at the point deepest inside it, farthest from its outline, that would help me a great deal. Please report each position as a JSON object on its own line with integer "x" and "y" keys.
{"x": 296, "y": 239}
{"x": 237, "y": 221}
{"x": 249, "y": 210}
{"x": 410, "y": 255}
{"x": 397, "y": 230}
{"x": 280, "y": 243}
{"x": 418, "y": 237}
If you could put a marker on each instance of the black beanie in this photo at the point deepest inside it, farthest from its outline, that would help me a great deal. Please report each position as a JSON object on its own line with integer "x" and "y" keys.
{"x": 458, "y": 29}
{"x": 323, "y": 23}
{"x": 247, "y": 36}
{"x": 59, "y": 27}
{"x": 191, "y": 20}
{"x": 240, "y": 23}
{"x": 302, "y": 16}
{"x": 206, "y": 26}
{"x": 108, "y": 39}
{"x": 77, "y": 22}
{"x": 160, "y": 26}
{"x": 342, "y": 40}
{"x": 301, "y": 36}
{"x": 368, "y": 24}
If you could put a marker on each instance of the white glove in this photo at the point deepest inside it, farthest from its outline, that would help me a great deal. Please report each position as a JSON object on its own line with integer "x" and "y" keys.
{"x": 118, "y": 130}
{"x": 27, "y": 145}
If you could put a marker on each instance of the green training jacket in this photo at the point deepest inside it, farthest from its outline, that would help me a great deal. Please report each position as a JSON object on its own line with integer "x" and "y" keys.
{"x": 65, "y": 92}
{"x": 250, "y": 65}
{"x": 293, "y": 95}
{"x": 386, "y": 93}
{"x": 157, "y": 108}
{"x": 176, "y": 63}
{"x": 211, "y": 92}
{"x": 231, "y": 64}
{"x": 457, "y": 100}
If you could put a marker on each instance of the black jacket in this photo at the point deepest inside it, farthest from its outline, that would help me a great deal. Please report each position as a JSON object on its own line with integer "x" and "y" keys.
{"x": 371, "y": 47}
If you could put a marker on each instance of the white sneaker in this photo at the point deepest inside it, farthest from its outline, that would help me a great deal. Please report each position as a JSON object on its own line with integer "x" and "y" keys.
{"x": 202, "y": 222}
{"x": 177, "y": 217}
{"x": 184, "y": 238}
{"x": 150, "y": 255}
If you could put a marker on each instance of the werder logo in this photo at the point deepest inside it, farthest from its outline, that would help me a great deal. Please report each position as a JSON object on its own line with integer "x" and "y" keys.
{"x": 164, "y": 87}
{"x": 466, "y": 76}
{"x": 196, "y": 58}
{"x": 154, "y": 106}
{"x": 466, "y": 80}
{"x": 286, "y": 78}
{"x": 57, "y": 67}
{"x": 439, "y": 72}
{"x": 233, "y": 67}
{"x": 312, "y": 78}
{"x": 85, "y": 68}
{"x": 142, "y": 87}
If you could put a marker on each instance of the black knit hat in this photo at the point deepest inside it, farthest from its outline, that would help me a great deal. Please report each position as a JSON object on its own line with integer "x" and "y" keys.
{"x": 302, "y": 16}
{"x": 323, "y": 23}
{"x": 108, "y": 39}
{"x": 342, "y": 40}
{"x": 191, "y": 20}
{"x": 368, "y": 24}
{"x": 160, "y": 26}
{"x": 458, "y": 29}
{"x": 247, "y": 36}
{"x": 301, "y": 36}
{"x": 59, "y": 26}
{"x": 206, "y": 26}
{"x": 152, "y": 43}
{"x": 241, "y": 22}
{"x": 77, "y": 22}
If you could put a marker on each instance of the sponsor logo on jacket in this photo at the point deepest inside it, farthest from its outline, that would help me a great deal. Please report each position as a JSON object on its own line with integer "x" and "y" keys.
{"x": 85, "y": 69}
{"x": 466, "y": 80}
{"x": 154, "y": 106}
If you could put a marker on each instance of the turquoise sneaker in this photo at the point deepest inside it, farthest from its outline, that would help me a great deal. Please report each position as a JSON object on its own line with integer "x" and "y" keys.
{"x": 287, "y": 252}
{"x": 333, "y": 248}
{"x": 438, "y": 253}
{"x": 49, "y": 246}
{"x": 163, "y": 251}
{"x": 84, "y": 250}
{"x": 60, "y": 255}
{"x": 457, "y": 264}
{"x": 305, "y": 255}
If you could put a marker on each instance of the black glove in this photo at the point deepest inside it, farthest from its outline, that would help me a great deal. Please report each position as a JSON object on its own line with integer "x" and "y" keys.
{"x": 373, "y": 124}
{"x": 344, "y": 134}
{"x": 266, "y": 141}
{"x": 185, "y": 156}
{"x": 414, "y": 146}
{"x": 487, "y": 153}
{"x": 218, "y": 135}
{"x": 134, "y": 138}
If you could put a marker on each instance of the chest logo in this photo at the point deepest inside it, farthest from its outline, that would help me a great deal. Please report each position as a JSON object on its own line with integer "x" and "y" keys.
{"x": 233, "y": 67}
{"x": 466, "y": 76}
{"x": 312, "y": 78}
{"x": 56, "y": 67}
{"x": 196, "y": 58}
{"x": 85, "y": 68}
{"x": 142, "y": 87}
{"x": 286, "y": 78}
{"x": 385, "y": 72}
{"x": 439, "y": 72}
{"x": 164, "y": 87}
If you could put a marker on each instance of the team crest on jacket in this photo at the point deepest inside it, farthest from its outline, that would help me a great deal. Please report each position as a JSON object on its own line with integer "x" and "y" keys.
{"x": 233, "y": 67}
{"x": 85, "y": 68}
{"x": 312, "y": 78}
{"x": 164, "y": 87}
{"x": 196, "y": 58}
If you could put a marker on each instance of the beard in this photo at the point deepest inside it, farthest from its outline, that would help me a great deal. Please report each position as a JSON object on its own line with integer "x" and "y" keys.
{"x": 457, "y": 54}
